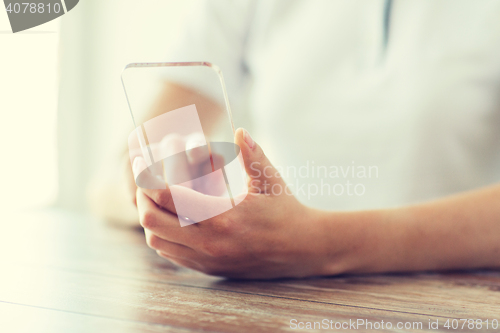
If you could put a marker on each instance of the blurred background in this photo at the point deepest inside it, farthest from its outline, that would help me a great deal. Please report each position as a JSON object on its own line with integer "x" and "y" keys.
{"x": 425, "y": 116}
{"x": 62, "y": 104}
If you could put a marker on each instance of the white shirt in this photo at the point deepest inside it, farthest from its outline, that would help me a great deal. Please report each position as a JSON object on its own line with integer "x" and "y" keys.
{"x": 319, "y": 89}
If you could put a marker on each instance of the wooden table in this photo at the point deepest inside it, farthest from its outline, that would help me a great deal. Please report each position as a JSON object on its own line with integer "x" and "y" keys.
{"x": 63, "y": 272}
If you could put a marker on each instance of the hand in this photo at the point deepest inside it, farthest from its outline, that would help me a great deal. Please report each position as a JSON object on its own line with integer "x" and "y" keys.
{"x": 268, "y": 235}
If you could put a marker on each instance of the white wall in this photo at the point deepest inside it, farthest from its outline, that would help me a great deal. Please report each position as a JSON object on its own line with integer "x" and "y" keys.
{"x": 28, "y": 107}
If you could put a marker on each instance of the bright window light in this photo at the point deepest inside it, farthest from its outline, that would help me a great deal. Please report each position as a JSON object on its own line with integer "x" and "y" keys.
{"x": 28, "y": 109}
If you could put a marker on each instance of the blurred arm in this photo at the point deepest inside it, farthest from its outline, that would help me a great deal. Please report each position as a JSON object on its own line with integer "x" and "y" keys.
{"x": 174, "y": 96}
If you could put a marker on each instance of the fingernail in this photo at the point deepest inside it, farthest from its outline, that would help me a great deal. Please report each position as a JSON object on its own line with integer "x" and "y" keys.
{"x": 249, "y": 140}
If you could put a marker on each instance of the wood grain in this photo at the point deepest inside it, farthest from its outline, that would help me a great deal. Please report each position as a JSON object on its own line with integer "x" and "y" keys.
{"x": 64, "y": 272}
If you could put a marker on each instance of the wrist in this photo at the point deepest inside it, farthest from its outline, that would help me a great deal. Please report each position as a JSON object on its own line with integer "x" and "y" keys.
{"x": 356, "y": 242}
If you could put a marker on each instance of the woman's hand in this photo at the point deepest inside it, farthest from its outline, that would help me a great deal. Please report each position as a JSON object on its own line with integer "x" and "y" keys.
{"x": 268, "y": 235}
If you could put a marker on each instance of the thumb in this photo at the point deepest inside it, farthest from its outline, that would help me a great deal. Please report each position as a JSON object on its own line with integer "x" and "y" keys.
{"x": 263, "y": 175}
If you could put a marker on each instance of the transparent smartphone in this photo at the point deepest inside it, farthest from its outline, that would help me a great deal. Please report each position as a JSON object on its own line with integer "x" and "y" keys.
{"x": 183, "y": 137}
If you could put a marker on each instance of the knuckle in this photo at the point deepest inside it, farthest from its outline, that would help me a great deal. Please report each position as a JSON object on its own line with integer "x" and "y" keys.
{"x": 153, "y": 241}
{"x": 148, "y": 219}
{"x": 162, "y": 198}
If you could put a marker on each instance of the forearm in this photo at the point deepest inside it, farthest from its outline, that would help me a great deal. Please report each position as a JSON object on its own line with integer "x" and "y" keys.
{"x": 174, "y": 96}
{"x": 457, "y": 232}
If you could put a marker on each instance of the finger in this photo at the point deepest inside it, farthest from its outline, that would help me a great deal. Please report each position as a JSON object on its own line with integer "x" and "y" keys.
{"x": 162, "y": 198}
{"x": 170, "y": 145}
{"x": 197, "y": 155}
{"x": 144, "y": 178}
{"x": 164, "y": 224}
{"x": 175, "y": 165}
{"x": 197, "y": 206}
{"x": 196, "y": 148}
{"x": 181, "y": 262}
{"x": 214, "y": 184}
{"x": 173, "y": 249}
{"x": 161, "y": 223}
{"x": 257, "y": 165}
